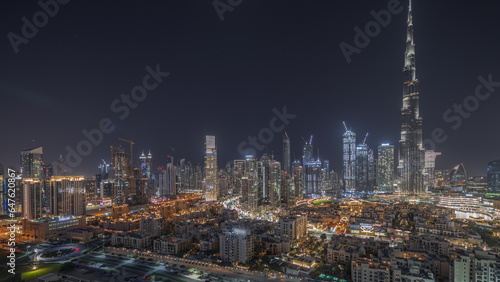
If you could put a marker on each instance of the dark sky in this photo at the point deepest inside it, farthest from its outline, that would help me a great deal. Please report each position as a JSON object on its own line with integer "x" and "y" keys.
{"x": 226, "y": 77}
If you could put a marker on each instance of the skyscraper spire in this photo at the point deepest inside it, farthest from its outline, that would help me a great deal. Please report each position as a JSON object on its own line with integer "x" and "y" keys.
{"x": 410, "y": 47}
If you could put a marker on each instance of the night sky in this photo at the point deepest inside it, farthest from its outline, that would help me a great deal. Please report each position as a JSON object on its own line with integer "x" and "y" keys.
{"x": 227, "y": 76}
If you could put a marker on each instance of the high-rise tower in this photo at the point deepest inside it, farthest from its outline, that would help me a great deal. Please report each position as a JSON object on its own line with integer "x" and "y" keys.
{"x": 211, "y": 185}
{"x": 411, "y": 152}
{"x": 385, "y": 168}
{"x": 349, "y": 156}
{"x": 31, "y": 163}
{"x": 307, "y": 155}
{"x": 287, "y": 165}
{"x": 146, "y": 165}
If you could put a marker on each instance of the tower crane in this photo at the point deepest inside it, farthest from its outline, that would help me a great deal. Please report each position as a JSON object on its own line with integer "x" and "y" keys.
{"x": 131, "y": 145}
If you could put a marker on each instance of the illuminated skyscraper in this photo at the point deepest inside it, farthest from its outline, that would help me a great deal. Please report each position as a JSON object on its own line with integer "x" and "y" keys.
{"x": 211, "y": 185}
{"x": 313, "y": 177}
{"x": 286, "y": 154}
{"x": 33, "y": 198}
{"x": 307, "y": 155}
{"x": 274, "y": 184}
{"x": 411, "y": 152}
{"x": 31, "y": 163}
{"x": 364, "y": 163}
{"x": 168, "y": 180}
{"x": 121, "y": 175}
{"x": 66, "y": 195}
{"x": 349, "y": 157}
{"x": 145, "y": 162}
{"x": 430, "y": 169}
{"x": 249, "y": 183}
{"x": 385, "y": 168}
{"x": 298, "y": 179}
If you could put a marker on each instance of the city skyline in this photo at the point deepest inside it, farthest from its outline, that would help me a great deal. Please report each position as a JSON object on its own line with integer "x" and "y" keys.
{"x": 264, "y": 141}
{"x": 251, "y": 108}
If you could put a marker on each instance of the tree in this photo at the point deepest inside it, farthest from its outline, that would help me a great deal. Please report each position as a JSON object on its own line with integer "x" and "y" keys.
{"x": 323, "y": 236}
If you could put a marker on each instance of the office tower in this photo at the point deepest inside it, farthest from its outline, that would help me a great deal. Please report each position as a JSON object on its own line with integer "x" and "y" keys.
{"x": 263, "y": 172}
{"x": 91, "y": 191}
{"x": 385, "y": 168}
{"x": 307, "y": 156}
{"x": 372, "y": 173}
{"x": 326, "y": 183}
{"x": 493, "y": 176}
{"x": 66, "y": 196}
{"x": 286, "y": 154}
{"x": 250, "y": 184}
{"x": 411, "y": 152}
{"x": 274, "y": 184}
{"x": 196, "y": 179}
{"x": 146, "y": 164}
{"x": 458, "y": 177}
{"x": 307, "y": 152}
{"x": 429, "y": 173}
{"x": 223, "y": 180}
{"x": 349, "y": 157}
{"x": 313, "y": 177}
{"x": 362, "y": 183}
{"x": 121, "y": 175}
{"x": 33, "y": 198}
{"x": 298, "y": 179}
{"x": 238, "y": 172}
{"x": 104, "y": 170}
{"x": 211, "y": 185}
{"x": 143, "y": 187}
{"x": 31, "y": 163}
{"x": 287, "y": 190}
{"x": 167, "y": 181}
{"x": 308, "y": 161}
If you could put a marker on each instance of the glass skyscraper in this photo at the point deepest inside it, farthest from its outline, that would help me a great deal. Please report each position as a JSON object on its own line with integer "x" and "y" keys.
{"x": 31, "y": 163}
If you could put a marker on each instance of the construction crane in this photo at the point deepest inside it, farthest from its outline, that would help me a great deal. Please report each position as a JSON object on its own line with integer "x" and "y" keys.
{"x": 364, "y": 141}
{"x": 345, "y": 126}
{"x": 131, "y": 145}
